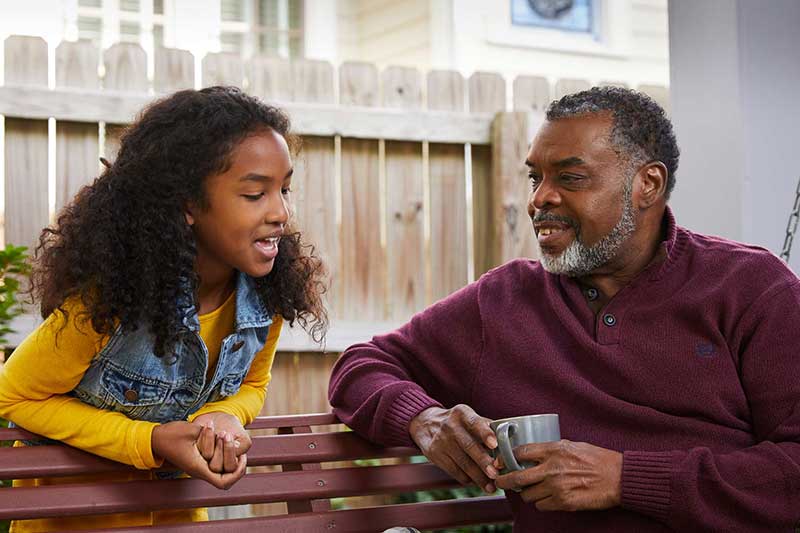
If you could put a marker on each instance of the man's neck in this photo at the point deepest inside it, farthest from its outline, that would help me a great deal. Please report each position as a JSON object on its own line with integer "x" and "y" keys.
{"x": 643, "y": 250}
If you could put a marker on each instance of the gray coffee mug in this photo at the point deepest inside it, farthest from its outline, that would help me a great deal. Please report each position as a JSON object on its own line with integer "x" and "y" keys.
{"x": 513, "y": 432}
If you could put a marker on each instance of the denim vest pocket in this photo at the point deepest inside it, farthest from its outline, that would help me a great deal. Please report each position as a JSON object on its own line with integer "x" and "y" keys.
{"x": 230, "y": 385}
{"x": 134, "y": 395}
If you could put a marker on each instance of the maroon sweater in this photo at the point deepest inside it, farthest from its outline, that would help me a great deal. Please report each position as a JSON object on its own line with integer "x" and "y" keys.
{"x": 696, "y": 380}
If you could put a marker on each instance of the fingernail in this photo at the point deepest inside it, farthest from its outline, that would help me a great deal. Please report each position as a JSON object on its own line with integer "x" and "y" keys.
{"x": 489, "y": 488}
{"x": 228, "y": 437}
{"x": 491, "y": 442}
{"x": 491, "y": 472}
{"x": 211, "y": 424}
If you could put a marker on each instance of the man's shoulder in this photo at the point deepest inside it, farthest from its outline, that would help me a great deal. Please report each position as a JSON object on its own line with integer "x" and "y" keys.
{"x": 738, "y": 259}
{"x": 517, "y": 277}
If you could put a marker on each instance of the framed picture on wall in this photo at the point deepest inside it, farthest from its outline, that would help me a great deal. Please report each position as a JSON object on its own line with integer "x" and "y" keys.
{"x": 567, "y": 15}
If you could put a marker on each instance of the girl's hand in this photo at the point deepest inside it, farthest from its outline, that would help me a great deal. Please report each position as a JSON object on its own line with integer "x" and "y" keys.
{"x": 176, "y": 442}
{"x": 220, "y": 425}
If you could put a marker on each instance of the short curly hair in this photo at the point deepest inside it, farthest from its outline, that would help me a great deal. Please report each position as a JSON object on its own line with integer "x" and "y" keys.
{"x": 123, "y": 245}
{"x": 641, "y": 130}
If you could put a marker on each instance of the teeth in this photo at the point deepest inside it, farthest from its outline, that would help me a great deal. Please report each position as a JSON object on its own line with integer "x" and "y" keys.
{"x": 545, "y": 231}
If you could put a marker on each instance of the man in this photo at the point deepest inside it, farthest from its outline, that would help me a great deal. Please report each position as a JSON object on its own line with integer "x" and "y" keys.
{"x": 671, "y": 357}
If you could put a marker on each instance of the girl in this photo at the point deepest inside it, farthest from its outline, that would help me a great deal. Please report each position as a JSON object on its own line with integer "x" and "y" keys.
{"x": 164, "y": 285}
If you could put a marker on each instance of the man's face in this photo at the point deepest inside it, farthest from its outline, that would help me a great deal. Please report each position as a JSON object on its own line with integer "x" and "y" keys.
{"x": 581, "y": 190}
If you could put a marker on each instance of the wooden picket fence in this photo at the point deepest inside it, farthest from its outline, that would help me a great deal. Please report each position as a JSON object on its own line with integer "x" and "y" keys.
{"x": 410, "y": 185}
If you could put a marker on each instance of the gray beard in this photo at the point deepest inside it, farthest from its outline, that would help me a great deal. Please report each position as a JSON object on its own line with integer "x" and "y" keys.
{"x": 578, "y": 259}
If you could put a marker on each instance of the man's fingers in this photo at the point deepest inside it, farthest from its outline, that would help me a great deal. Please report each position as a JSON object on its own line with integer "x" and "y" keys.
{"x": 447, "y": 464}
{"x": 478, "y": 454}
{"x": 479, "y": 427}
{"x": 537, "y": 451}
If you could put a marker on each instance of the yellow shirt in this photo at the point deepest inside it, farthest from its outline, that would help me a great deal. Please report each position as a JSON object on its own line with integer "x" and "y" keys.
{"x": 51, "y": 361}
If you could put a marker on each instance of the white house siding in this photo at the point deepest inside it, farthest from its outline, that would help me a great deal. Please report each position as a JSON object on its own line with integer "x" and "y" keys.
{"x": 386, "y": 32}
{"x": 633, "y": 47}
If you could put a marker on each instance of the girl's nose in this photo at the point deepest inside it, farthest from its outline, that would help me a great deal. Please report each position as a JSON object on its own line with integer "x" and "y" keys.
{"x": 279, "y": 211}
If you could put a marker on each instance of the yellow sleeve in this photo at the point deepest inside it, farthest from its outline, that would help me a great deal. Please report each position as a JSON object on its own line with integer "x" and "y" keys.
{"x": 248, "y": 401}
{"x": 49, "y": 363}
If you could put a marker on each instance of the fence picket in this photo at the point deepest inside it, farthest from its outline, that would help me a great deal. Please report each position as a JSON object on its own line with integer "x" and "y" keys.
{"x": 174, "y": 70}
{"x": 513, "y": 232}
{"x": 487, "y": 94}
{"x": 126, "y": 70}
{"x": 531, "y": 93}
{"x": 568, "y": 86}
{"x": 223, "y": 68}
{"x": 26, "y": 203}
{"x": 77, "y": 147}
{"x": 363, "y": 262}
{"x": 405, "y": 235}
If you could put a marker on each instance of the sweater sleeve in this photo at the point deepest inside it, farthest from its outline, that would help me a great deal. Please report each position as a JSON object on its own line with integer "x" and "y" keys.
{"x": 34, "y": 383}
{"x": 246, "y": 404}
{"x": 379, "y": 386}
{"x": 753, "y": 489}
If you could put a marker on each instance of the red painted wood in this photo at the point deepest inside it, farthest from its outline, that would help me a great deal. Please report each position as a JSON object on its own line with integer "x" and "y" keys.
{"x": 424, "y": 515}
{"x": 115, "y": 497}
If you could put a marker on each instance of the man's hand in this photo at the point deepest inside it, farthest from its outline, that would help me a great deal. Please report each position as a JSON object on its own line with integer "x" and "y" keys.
{"x": 458, "y": 441}
{"x": 570, "y": 476}
{"x": 176, "y": 442}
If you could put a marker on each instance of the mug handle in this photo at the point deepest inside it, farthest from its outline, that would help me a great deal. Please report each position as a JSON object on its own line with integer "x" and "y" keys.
{"x": 504, "y": 432}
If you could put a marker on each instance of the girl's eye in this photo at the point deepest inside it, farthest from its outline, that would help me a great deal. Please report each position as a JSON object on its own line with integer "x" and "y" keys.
{"x": 286, "y": 190}
{"x": 254, "y": 197}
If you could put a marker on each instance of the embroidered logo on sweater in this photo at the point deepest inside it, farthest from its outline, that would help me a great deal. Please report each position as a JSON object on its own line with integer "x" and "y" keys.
{"x": 705, "y": 349}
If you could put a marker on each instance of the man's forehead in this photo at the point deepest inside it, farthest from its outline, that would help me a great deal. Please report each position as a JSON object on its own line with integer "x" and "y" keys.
{"x": 578, "y": 136}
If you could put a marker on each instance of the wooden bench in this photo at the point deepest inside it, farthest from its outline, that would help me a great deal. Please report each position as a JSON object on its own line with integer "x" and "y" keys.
{"x": 310, "y": 474}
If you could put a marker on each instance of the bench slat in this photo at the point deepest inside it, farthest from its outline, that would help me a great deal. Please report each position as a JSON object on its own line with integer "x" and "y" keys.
{"x": 423, "y": 515}
{"x": 59, "y": 460}
{"x": 111, "y": 497}
{"x": 262, "y": 422}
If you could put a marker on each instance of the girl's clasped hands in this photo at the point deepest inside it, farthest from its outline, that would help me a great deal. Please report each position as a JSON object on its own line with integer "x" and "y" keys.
{"x": 213, "y": 447}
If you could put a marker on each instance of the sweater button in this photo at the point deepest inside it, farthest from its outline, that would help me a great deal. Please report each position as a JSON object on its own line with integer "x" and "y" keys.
{"x": 592, "y": 294}
{"x": 131, "y": 395}
{"x": 609, "y": 319}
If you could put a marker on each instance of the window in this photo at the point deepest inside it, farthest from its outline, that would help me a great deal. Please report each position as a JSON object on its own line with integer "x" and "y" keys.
{"x": 263, "y": 27}
{"x": 565, "y": 15}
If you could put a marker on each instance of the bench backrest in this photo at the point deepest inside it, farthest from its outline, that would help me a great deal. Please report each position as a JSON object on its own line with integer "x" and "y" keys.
{"x": 302, "y": 482}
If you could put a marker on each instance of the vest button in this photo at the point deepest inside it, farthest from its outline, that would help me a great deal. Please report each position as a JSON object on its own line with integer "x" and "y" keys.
{"x": 238, "y": 346}
{"x": 609, "y": 319}
{"x": 131, "y": 395}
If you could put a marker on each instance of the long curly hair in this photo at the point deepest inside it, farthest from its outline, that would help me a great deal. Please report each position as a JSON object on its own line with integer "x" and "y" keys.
{"x": 123, "y": 245}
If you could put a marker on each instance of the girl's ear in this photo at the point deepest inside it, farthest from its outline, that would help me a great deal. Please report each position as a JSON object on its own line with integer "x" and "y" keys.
{"x": 187, "y": 212}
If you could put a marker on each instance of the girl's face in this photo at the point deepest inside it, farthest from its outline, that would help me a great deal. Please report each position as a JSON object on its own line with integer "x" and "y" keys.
{"x": 246, "y": 212}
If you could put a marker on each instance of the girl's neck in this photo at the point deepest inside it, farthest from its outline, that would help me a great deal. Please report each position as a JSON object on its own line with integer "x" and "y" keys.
{"x": 213, "y": 293}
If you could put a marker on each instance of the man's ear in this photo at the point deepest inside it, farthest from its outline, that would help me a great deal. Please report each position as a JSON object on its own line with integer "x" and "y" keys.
{"x": 653, "y": 180}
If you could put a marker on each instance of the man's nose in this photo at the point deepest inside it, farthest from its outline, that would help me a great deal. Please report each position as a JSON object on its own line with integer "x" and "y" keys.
{"x": 544, "y": 196}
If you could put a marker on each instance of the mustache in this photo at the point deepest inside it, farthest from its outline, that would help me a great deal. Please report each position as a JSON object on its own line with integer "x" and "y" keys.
{"x": 550, "y": 217}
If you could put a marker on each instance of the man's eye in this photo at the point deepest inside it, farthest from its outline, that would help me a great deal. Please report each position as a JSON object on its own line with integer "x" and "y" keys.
{"x": 571, "y": 178}
{"x": 286, "y": 190}
{"x": 535, "y": 180}
{"x": 254, "y": 197}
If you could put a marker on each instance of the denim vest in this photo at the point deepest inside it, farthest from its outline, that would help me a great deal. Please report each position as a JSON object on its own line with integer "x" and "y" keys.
{"x": 127, "y": 377}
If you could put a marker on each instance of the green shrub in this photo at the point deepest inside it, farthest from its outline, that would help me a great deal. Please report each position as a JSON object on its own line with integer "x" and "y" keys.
{"x": 13, "y": 269}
